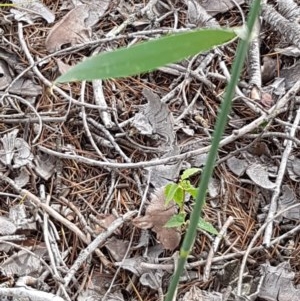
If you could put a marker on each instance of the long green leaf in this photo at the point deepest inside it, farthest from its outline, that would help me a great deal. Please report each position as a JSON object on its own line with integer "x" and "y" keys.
{"x": 147, "y": 56}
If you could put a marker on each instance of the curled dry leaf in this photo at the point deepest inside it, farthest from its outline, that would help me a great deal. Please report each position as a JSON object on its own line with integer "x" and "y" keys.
{"x": 133, "y": 265}
{"x": 44, "y": 165}
{"x": 278, "y": 283}
{"x": 23, "y": 155}
{"x": 237, "y": 166}
{"x": 5, "y": 76}
{"x": 162, "y": 174}
{"x": 97, "y": 287}
{"x": 16, "y": 149}
{"x": 259, "y": 175}
{"x": 289, "y": 51}
{"x": 117, "y": 248}
{"x": 156, "y": 216}
{"x": 7, "y": 227}
{"x": 296, "y": 166}
{"x": 94, "y": 295}
{"x": 64, "y": 211}
{"x": 277, "y": 88}
{"x": 214, "y": 187}
{"x": 287, "y": 199}
{"x": 291, "y": 75}
{"x": 152, "y": 279}
{"x": 214, "y": 7}
{"x": 14, "y": 63}
{"x": 23, "y": 263}
{"x": 198, "y": 16}
{"x": 19, "y": 216}
{"x": 7, "y": 149}
{"x": 34, "y": 9}
{"x": 155, "y": 118}
{"x": 293, "y": 168}
{"x": 23, "y": 177}
{"x": 62, "y": 67}
{"x": 26, "y": 88}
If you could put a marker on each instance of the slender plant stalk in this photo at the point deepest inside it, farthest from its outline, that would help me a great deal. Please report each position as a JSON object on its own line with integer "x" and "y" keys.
{"x": 209, "y": 166}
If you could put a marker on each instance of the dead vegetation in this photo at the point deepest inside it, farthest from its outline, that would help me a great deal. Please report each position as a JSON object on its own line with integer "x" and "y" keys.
{"x": 79, "y": 162}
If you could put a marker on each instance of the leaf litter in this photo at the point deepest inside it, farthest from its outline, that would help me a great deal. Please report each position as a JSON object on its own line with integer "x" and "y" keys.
{"x": 156, "y": 216}
{"x": 56, "y": 197}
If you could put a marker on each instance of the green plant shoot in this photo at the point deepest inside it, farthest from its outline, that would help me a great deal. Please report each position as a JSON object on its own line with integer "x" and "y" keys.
{"x": 190, "y": 235}
{"x": 177, "y": 193}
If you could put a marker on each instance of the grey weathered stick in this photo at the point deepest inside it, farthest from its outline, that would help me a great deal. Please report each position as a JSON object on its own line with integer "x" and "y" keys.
{"x": 279, "y": 179}
{"x": 214, "y": 248}
{"x": 31, "y": 294}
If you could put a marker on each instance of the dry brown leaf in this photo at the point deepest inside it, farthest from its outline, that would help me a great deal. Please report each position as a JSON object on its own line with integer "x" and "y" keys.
{"x": 160, "y": 174}
{"x": 71, "y": 29}
{"x": 237, "y": 166}
{"x": 155, "y": 118}
{"x": 103, "y": 222}
{"x": 198, "y": 16}
{"x": 268, "y": 70}
{"x": 214, "y": 7}
{"x": 156, "y": 216}
{"x": 26, "y": 88}
{"x": 117, "y": 248}
{"x": 97, "y": 287}
{"x": 75, "y": 27}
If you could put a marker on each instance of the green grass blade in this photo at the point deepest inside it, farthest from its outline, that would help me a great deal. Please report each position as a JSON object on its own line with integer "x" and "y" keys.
{"x": 209, "y": 166}
{"x": 147, "y": 56}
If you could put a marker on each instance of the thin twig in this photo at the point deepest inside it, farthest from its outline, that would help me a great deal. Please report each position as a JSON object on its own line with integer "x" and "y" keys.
{"x": 215, "y": 247}
{"x": 84, "y": 254}
{"x": 279, "y": 179}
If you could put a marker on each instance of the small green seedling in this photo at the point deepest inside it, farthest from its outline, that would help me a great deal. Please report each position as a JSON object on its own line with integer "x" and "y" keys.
{"x": 177, "y": 193}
